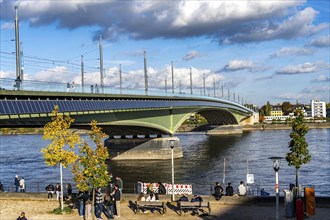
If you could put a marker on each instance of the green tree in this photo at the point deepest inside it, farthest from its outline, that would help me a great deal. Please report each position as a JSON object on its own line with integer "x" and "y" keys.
{"x": 299, "y": 153}
{"x": 63, "y": 140}
{"x": 90, "y": 170}
{"x": 268, "y": 109}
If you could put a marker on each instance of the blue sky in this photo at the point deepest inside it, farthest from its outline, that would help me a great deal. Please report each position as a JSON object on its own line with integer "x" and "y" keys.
{"x": 260, "y": 50}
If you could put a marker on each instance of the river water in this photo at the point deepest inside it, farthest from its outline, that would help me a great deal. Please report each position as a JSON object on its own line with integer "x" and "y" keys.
{"x": 201, "y": 166}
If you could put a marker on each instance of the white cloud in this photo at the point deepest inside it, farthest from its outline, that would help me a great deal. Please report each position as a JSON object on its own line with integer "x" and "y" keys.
{"x": 287, "y": 51}
{"x": 7, "y": 26}
{"x": 301, "y": 68}
{"x": 322, "y": 78}
{"x": 191, "y": 55}
{"x": 237, "y": 64}
{"x": 323, "y": 41}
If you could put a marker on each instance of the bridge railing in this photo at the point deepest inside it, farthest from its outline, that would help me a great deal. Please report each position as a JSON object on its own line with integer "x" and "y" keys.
{"x": 43, "y": 86}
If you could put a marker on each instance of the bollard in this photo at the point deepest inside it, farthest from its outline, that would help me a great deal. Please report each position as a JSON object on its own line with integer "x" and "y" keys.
{"x": 299, "y": 209}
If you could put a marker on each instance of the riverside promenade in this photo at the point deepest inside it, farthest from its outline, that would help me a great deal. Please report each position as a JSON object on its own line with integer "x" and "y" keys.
{"x": 36, "y": 207}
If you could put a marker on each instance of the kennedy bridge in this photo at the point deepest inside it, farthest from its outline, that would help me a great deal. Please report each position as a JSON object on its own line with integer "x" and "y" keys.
{"x": 128, "y": 112}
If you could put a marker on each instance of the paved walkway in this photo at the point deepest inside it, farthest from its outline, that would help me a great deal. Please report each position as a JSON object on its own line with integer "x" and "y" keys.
{"x": 37, "y": 207}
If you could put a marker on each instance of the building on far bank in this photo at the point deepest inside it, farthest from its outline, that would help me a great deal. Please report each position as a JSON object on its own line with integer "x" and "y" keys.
{"x": 276, "y": 111}
{"x": 318, "y": 109}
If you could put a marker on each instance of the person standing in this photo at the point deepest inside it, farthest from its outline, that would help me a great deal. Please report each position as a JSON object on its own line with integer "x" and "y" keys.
{"x": 16, "y": 182}
{"x": 161, "y": 189}
{"x": 229, "y": 190}
{"x": 58, "y": 191}
{"x": 241, "y": 189}
{"x": 80, "y": 197}
{"x": 1, "y": 187}
{"x": 98, "y": 203}
{"x": 50, "y": 190}
{"x": 68, "y": 87}
{"x": 69, "y": 190}
{"x": 22, "y": 184}
{"x": 119, "y": 183}
{"x": 116, "y": 196}
{"x": 88, "y": 205}
{"x": 73, "y": 87}
{"x": 217, "y": 191}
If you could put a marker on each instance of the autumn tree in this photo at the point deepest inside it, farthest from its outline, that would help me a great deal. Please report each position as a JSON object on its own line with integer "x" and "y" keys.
{"x": 299, "y": 153}
{"x": 286, "y": 108}
{"x": 90, "y": 170}
{"x": 63, "y": 140}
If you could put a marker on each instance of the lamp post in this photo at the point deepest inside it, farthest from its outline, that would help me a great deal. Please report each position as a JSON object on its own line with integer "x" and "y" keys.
{"x": 276, "y": 166}
{"x": 172, "y": 151}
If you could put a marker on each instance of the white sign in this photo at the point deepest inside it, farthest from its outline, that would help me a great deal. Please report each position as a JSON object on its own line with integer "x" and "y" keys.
{"x": 249, "y": 178}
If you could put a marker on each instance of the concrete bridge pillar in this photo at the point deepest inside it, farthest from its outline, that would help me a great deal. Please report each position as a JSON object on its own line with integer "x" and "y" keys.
{"x": 225, "y": 129}
{"x": 143, "y": 148}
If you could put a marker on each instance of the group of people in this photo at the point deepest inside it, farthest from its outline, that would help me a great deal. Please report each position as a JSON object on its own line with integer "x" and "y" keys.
{"x": 71, "y": 87}
{"x": 19, "y": 184}
{"x": 218, "y": 190}
{"x": 57, "y": 189}
{"x": 107, "y": 201}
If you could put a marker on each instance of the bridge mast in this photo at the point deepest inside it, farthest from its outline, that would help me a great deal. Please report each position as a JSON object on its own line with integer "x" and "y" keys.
{"x": 172, "y": 77}
{"x": 145, "y": 74}
{"x": 191, "y": 90}
{"x": 82, "y": 73}
{"x": 101, "y": 63}
{"x": 18, "y": 58}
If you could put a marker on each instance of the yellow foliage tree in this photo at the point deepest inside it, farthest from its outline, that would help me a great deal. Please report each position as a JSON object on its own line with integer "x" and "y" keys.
{"x": 63, "y": 140}
{"x": 90, "y": 170}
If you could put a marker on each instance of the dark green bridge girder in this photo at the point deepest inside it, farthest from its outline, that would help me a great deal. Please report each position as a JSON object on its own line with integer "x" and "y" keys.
{"x": 153, "y": 115}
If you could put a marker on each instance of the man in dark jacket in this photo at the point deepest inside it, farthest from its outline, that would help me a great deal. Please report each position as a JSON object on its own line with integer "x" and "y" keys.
{"x": 217, "y": 191}
{"x": 229, "y": 190}
{"x": 116, "y": 195}
{"x": 161, "y": 189}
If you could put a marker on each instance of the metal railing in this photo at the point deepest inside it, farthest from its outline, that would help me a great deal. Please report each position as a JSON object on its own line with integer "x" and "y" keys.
{"x": 198, "y": 188}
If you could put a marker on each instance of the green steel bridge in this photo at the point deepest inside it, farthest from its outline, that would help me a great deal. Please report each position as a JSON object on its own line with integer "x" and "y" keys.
{"x": 119, "y": 112}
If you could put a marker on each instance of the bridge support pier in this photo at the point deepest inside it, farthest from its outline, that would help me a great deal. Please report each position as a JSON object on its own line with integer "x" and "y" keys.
{"x": 142, "y": 148}
{"x": 225, "y": 129}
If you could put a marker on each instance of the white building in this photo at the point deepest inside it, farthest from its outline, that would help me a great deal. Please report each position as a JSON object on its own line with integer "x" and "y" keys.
{"x": 318, "y": 109}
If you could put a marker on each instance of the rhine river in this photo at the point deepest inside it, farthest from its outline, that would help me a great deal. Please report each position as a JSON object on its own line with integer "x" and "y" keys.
{"x": 201, "y": 166}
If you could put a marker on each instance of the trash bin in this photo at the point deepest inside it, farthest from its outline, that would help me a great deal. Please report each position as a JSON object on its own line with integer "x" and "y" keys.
{"x": 288, "y": 203}
{"x": 310, "y": 201}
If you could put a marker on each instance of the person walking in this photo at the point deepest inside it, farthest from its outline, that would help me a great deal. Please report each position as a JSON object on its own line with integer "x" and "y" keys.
{"x": 16, "y": 182}
{"x": 50, "y": 190}
{"x": 73, "y": 86}
{"x": 229, "y": 190}
{"x": 22, "y": 185}
{"x": 58, "y": 191}
{"x": 116, "y": 196}
{"x": 1, "y": 187}
{"x": 98, "y": 203}
{"x": 108, "y": 204}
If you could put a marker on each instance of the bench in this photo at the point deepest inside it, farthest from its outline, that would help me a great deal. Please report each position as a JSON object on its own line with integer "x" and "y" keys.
{"x": 143, "y": 205}
{"x": 194, "y": 206}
